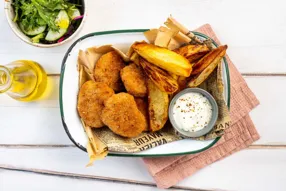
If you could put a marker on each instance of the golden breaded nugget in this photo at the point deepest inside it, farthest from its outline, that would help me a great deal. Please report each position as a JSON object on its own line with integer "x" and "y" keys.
{"x": 122, "y": 116}
{"x": 142, "y": 105}
{"x": 133, "y": 78}
{"x": 107, "y": 70}
{"x": 90, "y": 102}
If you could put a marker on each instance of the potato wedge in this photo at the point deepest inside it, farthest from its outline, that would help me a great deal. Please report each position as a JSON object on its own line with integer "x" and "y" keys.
{"x": 161, "y": 78}
{"x": 182, "y": 82}
{"x": 158, "y": 103}
{"x": 142, "y": 105}
{"x": 208, "y": 59}
{"x": 193, "y": 52}
{"x": 200, "y": 78}
{"x": 164, "y": 58}
{"x": 135, "y": 58}
{"x": 174, "y": 76}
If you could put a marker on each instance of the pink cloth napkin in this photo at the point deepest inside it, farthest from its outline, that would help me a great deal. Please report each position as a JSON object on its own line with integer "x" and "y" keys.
{"x": 168, "y": 171}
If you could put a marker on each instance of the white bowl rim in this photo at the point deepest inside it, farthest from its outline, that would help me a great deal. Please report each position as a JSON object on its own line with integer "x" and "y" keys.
{"x": 20, "y": 34}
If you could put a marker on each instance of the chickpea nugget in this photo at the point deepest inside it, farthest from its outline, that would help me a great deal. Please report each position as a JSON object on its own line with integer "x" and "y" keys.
{"x": 90, "y": 102}
{"x": 107, "y": 70}
{"x": 142, "y": 105}
{"x": 122, "y": 116}
{"x": 133, "y": 78}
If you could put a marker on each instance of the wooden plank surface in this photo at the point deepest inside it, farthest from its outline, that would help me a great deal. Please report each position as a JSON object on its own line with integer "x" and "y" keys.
{"x": 269, "y": 116}
{"x": 236, "y": 172}
{"x": 12, "y": 180}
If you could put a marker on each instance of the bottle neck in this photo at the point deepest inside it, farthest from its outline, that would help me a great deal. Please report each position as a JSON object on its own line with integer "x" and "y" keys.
{"x": 5, "y": 79}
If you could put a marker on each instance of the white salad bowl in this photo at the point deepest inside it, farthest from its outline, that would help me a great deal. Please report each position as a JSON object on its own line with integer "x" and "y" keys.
{"x": 10, "y": 14}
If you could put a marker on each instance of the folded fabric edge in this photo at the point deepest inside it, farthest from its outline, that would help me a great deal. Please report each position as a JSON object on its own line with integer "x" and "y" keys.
{"x": 188, "y": 168}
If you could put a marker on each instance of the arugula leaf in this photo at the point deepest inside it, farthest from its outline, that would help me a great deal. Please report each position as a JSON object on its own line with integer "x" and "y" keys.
{"x": 16, "y": 5}
{"x": 48, "y": 16}
{"x": 29, "y": 17}
{"x": 53, "y": 4}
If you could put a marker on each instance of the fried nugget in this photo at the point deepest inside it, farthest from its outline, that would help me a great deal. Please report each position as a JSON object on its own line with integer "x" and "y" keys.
{"x": 142, "y": 105}
{"x": 107, "y": 70}
{"x": 90, "y": 102}
{"x": 122, "y": 116}
{"x": 133, "y": 78}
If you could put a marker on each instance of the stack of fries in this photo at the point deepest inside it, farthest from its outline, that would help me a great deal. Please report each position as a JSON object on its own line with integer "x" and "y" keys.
{"x": 173, "y": 59}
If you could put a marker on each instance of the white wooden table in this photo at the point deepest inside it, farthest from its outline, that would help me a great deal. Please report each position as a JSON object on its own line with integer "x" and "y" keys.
{"x": 36, "y": 154}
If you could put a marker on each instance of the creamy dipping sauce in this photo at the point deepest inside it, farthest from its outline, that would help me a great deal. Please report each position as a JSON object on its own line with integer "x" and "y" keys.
{"x": 192, "y": 112}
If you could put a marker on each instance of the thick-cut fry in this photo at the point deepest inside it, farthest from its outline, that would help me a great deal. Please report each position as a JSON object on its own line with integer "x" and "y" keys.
{"x": 197, "y": 80}
{"x": 174, "y": 76}
{"x": 200, "y": 78}
{"x": 208, "y": 59}
{"x": 130, "y": 51}
{"x": 161, "y": 78}
{"x": 193, "y": 52}
{"x": 164, "y": 58}
{"x": 135, "y": 58}
{"x": 142, "y": 105}
{"x": 158, "y": 102}
{"x": 182, "y": 82}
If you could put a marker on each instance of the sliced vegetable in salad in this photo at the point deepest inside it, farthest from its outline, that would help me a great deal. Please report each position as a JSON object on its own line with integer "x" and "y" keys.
{"x": 47, "y": 21}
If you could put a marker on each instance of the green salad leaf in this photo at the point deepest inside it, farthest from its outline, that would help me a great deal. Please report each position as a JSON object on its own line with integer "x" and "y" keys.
{"x": 53, "y": 4}
{"x": 47, "y": 15}
{"x": 17, "y": 5}
{"x": 29, "y": 17}
{"x": 34, "y": 14}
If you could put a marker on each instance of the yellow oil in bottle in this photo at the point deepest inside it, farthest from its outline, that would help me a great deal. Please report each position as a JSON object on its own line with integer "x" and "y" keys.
{"x": 25, "y": 80}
